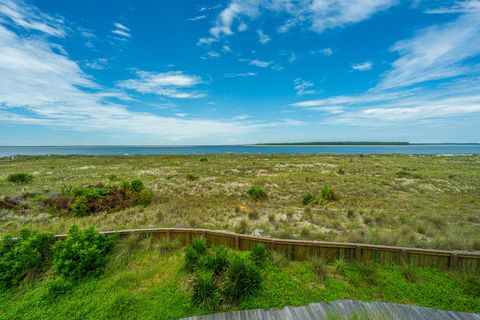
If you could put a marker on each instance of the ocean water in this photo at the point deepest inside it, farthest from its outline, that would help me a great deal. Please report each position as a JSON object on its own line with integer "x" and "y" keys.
{"x": 242, "y": 149}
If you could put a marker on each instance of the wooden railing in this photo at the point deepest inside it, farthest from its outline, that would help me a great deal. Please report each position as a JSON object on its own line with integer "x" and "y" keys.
{"x": 303, "y": 249}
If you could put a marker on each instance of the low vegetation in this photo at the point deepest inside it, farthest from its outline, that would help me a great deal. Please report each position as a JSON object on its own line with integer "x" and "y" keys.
{"x": 19, "y": 178}
{"x": 428, "y": 201}
{"x": 147, "y": 279}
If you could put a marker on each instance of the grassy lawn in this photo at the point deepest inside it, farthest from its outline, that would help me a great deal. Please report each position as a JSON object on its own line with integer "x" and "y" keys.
{"x": 146, "y": 280}
{"x": 424, "y": 201}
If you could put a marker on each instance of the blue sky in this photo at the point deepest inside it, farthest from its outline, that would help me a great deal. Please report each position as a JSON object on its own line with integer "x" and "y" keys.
{"x": 231, "y": 72}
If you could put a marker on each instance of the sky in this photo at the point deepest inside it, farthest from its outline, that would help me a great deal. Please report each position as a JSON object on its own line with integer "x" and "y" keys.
{"x": 187, "y": 72}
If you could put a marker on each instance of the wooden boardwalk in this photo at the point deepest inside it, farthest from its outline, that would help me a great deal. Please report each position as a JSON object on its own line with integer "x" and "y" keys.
{"x": 343, "y": 309}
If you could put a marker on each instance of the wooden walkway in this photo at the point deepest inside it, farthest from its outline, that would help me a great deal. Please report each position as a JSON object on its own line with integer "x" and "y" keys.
{"x": 343, "y": 309}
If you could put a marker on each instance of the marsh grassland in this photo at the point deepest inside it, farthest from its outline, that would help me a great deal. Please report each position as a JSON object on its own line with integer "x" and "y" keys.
{"x": 423, "y": 201}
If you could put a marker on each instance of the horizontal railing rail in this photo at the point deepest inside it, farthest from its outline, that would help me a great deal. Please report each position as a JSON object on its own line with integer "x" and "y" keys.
{"x": 304, "y": 249}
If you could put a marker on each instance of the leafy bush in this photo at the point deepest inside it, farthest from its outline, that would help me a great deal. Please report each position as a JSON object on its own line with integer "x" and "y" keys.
{"x": 137, "y": 185}
{"x": 309, "y": 199}
{"x": 30, "y": 253}
{"x": 219, "y": 260}
{"x": 144, "y": 198}
{"x": 203, "y": 159}
{"x": 259, "y": 254}
{"x": 242, "y": 227}
{"x": 243, "y": 279}
{"x": 257, "y": 193}
{"x": 328, "y": 193}
{"x": 82, "y": 253}
{"x": 19, "y": 178}
{"x": 79, "y": 206}
{"x": 193, "y": 253}
{"x": 205, "y": 291}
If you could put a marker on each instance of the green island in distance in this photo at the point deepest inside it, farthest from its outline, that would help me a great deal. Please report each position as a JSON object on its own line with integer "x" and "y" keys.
{"x": 357, "y": 143}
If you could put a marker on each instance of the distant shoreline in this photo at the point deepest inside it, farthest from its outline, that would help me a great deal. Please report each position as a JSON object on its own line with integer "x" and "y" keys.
{"x": 362, "y": 143}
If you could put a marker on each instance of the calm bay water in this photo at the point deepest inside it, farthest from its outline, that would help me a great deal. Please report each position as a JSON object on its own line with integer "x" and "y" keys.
{"x": 242, "y": 149}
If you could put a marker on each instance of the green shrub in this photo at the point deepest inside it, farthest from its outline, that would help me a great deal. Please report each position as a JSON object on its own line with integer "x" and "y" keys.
{"x": 144, "y": 198}
{"x": 193, "y": 253}
{"x": 243, "y": 279}
{"x": 79, "y": 206}
{"x": 58, "y": 286}
{"x": 203, "y": 159}
{"x": 328, "y": 193}
{"x": 257, "y": 193}
{"x": 242, "y": 227}
{"x": 205, "y": 291}
{"x": 309, "y": 199}
{"x": 137, "y": 185}
{"x": 259, "y": 254}
{"x": 219, "y": 260}
{"x": 192, "y": 177}
{"x": 30, "y": 253}
{"x": 19, "y": 178}
{"x": 82, "y": 253}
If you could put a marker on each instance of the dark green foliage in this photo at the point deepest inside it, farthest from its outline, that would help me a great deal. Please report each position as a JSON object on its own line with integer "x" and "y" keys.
{"x": 192, "y": 177}
{"x": 259, "y": 254}
{"x": 257, "y": 193}
{"x": 58, "y": 286}
{"x": 219, "y": 260}
{"x": 28, "y": 254}
{"x": 243, "y": 279}
{"x": 194, "y": 253}
{"x": 144, "y": 198}
{"x": 82, "y": 253}
{"x": 328, "y": 193}
{"x": 79, "y": 206}
{"x": 205, "y": 291}
{"x": 203, "y": 159}
{"x": 19, "y": 178}
{"x": 309, "y": 199}
{"x": 137, "y": 185}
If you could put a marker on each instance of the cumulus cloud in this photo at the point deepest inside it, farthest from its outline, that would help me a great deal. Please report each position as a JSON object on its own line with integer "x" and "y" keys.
{"x": 172, "y": 84}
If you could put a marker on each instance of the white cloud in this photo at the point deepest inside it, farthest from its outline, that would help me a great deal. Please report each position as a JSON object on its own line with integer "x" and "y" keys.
{"x": 260, "y": 63}
{"x": 437, "y": 52}
{"x": 213, "y": 54}
{"x": 121, "y": 30}
{"x": 456, "y": 7}
{"x": 262, "y": 37}
{"x": 364, "y": 66}
{"x": 47, "y": 88}
{"x": 196, "y": 18}
{"x": 97, "y": 64}
{"x": 31, "y": 18}
{"x": 319, "y": 15}
{"x": 325, "y": 51}
{"x": 240, "y": 75}
{"x": 172, "y": 84}
{"x": 303, "y": 87}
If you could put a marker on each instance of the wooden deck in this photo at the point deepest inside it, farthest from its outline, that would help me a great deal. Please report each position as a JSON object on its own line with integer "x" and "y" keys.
{"x": 343, "y": 309}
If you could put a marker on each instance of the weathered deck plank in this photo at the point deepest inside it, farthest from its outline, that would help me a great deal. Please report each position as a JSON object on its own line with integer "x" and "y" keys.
{"x": 343, "y": 309}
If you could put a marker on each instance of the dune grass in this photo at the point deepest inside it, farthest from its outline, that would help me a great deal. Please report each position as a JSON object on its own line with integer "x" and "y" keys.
{"x": 423, "y": 201}
{"x": 146, "y": 279}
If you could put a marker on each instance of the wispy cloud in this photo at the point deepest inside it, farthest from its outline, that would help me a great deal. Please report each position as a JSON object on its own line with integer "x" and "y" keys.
{"x": 364, "y": 66}
{"x": 97, "y": 64}
{"x": 240, "y": 75}
{"x": 196, "y": 18}
{"x": 303, "y": 87}
{"x": 437, "y": 52}
{"x": 172, "y": 84}
{"x": 456, "y": 7}
{"x": 31, "y": 18}
{"x": 317, "y": 15}
{"x": 325, "y": 51}
{"x": 121, "y": 30}
{"x": 260, "y": 63}
{"x": 262, "y": 37}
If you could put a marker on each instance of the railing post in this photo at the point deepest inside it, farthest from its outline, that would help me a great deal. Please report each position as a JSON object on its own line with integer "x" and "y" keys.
{"x": 237, "y": 242}
{"x": 453, "y": 260}
{"x": 358, "y": 252}
{"x": 403, "y": 256}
